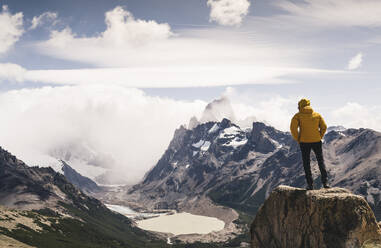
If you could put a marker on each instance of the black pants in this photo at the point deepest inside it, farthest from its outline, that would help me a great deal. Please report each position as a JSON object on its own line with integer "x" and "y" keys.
{"x": 306, "y": 151}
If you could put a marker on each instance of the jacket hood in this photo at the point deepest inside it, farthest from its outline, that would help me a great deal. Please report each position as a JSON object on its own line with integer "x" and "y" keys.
{"x": 306, "y": 110}
{"x": 303, "y": 103}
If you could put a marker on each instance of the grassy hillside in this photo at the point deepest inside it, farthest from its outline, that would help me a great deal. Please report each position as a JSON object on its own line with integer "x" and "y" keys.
{"x": 95, "y": 228}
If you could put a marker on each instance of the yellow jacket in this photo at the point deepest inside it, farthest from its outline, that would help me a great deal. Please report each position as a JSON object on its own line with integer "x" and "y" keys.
{"x": 307, "y": 126}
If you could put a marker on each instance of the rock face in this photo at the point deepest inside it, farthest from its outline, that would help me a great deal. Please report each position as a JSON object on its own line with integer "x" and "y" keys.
{"x": 327, "y": 218}
{"x": 83, "y": 183}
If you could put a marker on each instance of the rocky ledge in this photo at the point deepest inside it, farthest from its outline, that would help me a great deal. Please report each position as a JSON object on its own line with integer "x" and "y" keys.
{"x": 326, "y": 218}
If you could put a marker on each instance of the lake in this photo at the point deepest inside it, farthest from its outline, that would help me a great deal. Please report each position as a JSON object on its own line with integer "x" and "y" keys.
{"x": 175, "y": 223}
{"x": 182, "y": 223}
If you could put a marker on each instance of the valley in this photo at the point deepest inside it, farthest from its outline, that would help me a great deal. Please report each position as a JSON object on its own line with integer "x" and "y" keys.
{"x": 205, "y": 189}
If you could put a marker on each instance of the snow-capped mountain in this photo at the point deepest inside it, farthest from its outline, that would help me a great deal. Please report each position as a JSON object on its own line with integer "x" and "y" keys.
{"x": 214, "y": 159}
{"x": 239, "y": 168}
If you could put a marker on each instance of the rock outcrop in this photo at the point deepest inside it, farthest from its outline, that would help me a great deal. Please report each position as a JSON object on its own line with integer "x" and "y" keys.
{"x": 326, "y": 218}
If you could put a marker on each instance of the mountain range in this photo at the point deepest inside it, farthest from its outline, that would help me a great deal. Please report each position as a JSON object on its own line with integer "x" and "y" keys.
{"x": 238, "y": 168}
{"x": 212, "y": 168}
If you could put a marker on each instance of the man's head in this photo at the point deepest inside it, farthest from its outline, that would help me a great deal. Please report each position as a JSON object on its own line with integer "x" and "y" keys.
{"x": 303, "y": 103}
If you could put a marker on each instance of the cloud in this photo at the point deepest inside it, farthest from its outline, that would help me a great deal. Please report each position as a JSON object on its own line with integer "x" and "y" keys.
{"x": 123, "y": 31}
{"x": 98, "y": 126}
{"x": 375, "y": 40}
{"x": 139, "y": 53}
{"x": 273, "y": 109}
{"x": 123, "y": 130}
{"x": 129, "y": 42}
{"x": 277, "y": 110}
{"x": 43, "y": 18}
{"x": 228, "y": 12}
{"x": 123, "y": 27}
{"x": 356, "y": 115}
{"x": 160, "y": 77}
{"x": 12, "y": 73}
{"x": 355, "y": 62}
{"x": 333, "y": 13}
{"x": 217, "y": 110}
{"x": 11, "y": 28}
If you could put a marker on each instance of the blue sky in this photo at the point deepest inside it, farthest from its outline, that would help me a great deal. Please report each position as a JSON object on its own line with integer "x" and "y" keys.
{"x": 57, "y": 57}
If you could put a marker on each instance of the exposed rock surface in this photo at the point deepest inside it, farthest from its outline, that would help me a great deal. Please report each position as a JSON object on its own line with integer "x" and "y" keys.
{"x": 327, "y": 218}
{"x": 83, "y": 183}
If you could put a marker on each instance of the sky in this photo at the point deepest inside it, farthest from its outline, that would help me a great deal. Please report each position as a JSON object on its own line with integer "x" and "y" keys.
{"x": 104, "y": 84}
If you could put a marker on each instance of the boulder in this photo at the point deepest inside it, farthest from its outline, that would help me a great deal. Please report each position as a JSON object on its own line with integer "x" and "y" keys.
{"x": 326, "y": 218}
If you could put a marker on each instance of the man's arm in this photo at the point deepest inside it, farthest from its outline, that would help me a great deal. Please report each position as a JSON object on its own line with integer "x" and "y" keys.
{"x": 294, "y": 128}
{"x": 323, "y": 127}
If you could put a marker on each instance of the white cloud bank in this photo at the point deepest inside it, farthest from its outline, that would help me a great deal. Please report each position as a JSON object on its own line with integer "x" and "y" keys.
{"x": 124, "y": 39}
{"x": 125, "y": 130}
{"x": 272, "y": 109}
{"x": 356, "y": 115}
{"x": 228, "y": 12}
{"x": 11, "y": 29}
{"x": 355, "y": 62}
{"x": 109, "y": 126}
{"x": 12, "y": 73}
{"x": 45, "y": 17}
{"x": 333, "y": 13}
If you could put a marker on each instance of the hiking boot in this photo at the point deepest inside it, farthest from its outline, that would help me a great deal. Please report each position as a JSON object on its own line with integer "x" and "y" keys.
{"x": 310, "y": 187}
{"x": 326, "y": 185}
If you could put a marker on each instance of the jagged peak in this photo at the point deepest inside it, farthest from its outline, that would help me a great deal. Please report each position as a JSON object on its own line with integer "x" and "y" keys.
{"x": 225, "y": 123}
{"x": 217, "y": 110}
{"x": 193, "y": 122}
{"x": 337, "y": 128}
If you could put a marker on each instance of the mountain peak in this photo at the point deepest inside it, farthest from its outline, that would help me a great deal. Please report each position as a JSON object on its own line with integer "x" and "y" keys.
{"x": 217, "y": 110}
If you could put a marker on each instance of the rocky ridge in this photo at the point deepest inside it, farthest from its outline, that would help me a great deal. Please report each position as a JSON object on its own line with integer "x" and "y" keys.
{"x": 83, "y": 183}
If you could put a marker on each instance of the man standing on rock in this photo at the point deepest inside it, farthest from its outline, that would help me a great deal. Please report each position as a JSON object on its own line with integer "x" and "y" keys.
{"x": 308, "y": 129}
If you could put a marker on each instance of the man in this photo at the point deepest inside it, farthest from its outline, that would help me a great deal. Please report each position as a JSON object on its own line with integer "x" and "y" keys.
{"x": 308, "y": 129}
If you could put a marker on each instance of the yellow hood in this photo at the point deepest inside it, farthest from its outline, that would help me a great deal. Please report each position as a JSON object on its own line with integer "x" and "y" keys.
{"x": 303, "y": 103}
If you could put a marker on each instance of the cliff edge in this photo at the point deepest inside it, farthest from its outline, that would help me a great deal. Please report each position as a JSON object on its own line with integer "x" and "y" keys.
{"x": 326, "y": 218}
